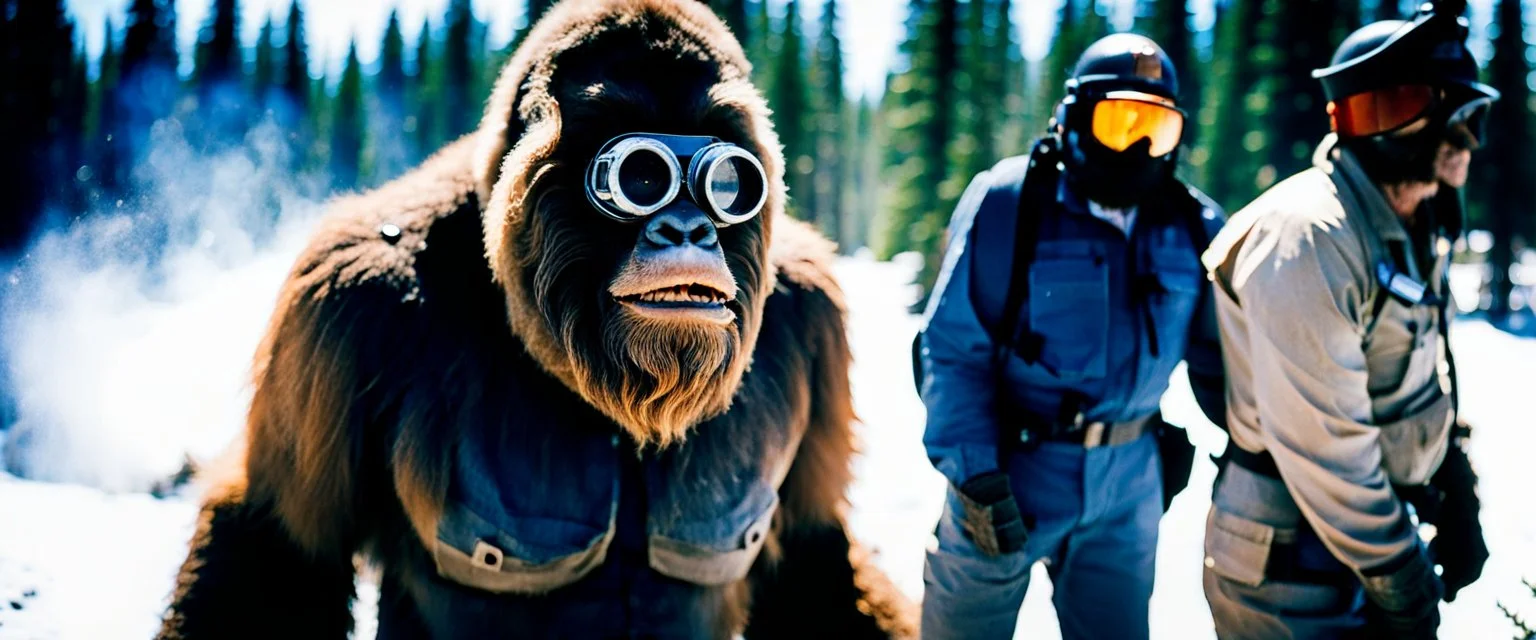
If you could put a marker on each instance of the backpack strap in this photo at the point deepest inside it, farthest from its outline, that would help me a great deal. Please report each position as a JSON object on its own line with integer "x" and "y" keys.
{"x": 1035, "y": 186}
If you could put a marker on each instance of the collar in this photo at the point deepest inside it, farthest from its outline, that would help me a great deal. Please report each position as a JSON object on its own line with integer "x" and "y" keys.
{"x": 1075, "y": 204}
{"x": 1339, "y": 163}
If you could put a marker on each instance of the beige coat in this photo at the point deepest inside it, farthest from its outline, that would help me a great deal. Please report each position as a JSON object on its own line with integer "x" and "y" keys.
{"x": 1344, "y": 414}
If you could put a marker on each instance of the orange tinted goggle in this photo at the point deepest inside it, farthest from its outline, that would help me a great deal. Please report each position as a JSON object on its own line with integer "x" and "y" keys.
{"x": 1380, "y": 111}
{"x": 1123, "y": 118}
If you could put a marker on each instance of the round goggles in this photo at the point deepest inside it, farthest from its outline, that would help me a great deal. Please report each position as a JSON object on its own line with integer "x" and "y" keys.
{"x": 1123, "y": 118}
{"x": 637, "y": 174}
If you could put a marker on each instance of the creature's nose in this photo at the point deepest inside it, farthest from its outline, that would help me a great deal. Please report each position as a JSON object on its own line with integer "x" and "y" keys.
{"x": 678, "y": 227}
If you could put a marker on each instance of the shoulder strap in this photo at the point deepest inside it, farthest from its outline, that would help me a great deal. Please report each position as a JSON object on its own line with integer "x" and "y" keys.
{"x": 1039, "y": 178}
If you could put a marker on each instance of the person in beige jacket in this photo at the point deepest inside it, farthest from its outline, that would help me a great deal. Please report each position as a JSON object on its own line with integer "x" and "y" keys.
{"x": 1331, "y": 300}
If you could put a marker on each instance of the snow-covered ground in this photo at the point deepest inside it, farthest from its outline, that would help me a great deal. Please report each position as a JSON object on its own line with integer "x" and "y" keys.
{"x": 79, "y": 563}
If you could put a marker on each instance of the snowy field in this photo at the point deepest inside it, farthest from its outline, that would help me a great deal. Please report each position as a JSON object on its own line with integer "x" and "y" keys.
{"x": 80, "y": 563}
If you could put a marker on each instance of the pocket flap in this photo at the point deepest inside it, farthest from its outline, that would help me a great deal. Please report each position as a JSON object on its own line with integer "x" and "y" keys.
{"x": 718, "y": 552}
{"x": 1237, "y": 548}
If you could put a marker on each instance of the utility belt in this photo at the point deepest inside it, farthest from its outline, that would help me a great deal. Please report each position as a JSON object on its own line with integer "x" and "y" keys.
{"x": 1296, "y": 554}
{"x": 1028, "y": 431}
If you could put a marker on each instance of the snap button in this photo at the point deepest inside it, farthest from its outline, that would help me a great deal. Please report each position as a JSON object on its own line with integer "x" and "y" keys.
{"x": 390, "y": 233}
{"x": 1210, "y": 563}
{"x": 486, "y": 556}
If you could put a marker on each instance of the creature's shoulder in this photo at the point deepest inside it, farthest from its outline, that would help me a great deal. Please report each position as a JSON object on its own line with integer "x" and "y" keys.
{"x": 364, "y": 250}
{"x": 806, "y": 294}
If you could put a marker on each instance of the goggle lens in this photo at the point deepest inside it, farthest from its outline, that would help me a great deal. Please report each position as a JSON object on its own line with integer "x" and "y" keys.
{"x": 645, "y": 177}
{"x": 734, "y": 186}
{"x": 1381, "y": 111}
{"x": 1118, "y": 124}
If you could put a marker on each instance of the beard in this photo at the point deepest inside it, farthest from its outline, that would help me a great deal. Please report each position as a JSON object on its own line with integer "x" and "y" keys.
{"x": 658, "y": 380}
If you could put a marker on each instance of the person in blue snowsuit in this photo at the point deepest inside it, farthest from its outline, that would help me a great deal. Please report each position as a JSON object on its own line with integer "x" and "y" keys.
{"x": 1070, "y": 291}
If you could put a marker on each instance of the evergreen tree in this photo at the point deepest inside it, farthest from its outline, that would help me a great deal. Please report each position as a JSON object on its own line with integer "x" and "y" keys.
{"x": 760, "y": 46}
{"x": 829, "y": 110}
{"x": 1230, "y": 137}
{"x": 734, "y": 14}
{"x": 38, "y": 30}
{"x": 147, "y": 85}
{"x": 424, "y": 99}
{"x": 1510, "y": 162}
{"x": 1301, "y": 40}
{"x": 920, "y": 102}
{"x": 347, "y": 126}
{"x": 391, "y": 153}
{"x": 1015, "y": 130}
{"x": 296, "y": 61}
{"x": 73, "y": 176}
{"x": 264, "y": 75}
{"x": 219, "y": 58}
{"x": 107, "y": 143}
{"x": 458, "y": 70}
{"x": 792, "y": 116}
{"x": 149, "y": 44}
{"x": 536, "y": 9}
{"x": 1079, "y": 26}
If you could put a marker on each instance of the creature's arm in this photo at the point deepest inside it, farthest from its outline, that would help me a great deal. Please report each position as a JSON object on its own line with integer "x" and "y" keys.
{"x": 814, "y": 580}
{"x": 272, "y": 554}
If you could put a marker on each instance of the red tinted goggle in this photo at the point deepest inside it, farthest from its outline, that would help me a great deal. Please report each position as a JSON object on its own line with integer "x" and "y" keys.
{"x": 1381, "y": 111}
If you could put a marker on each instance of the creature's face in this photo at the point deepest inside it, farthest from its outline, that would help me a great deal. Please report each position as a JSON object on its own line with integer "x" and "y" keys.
{"x": 651, "y": 317}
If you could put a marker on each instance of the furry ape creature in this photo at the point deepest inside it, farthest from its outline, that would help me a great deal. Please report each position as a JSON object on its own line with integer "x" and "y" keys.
{"x": 463, "y": 385}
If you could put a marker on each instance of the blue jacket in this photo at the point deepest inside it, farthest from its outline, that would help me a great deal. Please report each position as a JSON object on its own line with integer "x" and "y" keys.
{"x": 1095, "y": 299}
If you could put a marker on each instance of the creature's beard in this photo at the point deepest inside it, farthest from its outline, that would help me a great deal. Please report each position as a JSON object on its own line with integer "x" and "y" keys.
{"x": 657, "y": 380}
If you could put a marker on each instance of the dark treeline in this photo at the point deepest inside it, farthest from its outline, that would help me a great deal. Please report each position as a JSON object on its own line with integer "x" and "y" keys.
{"x": 879, "y": 171}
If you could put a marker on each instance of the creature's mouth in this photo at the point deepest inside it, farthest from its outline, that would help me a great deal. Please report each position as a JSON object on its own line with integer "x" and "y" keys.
{"x": 682, "y": 302}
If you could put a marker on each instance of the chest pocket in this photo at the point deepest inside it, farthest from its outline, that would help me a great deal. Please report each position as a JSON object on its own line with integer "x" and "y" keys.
{"x": 498, "y": 535}
{"x": 710, "y": 538}
{"x": 1069, "y": 309}
{"x": 713, "y": 499}
{"x": 1179, "y": 284}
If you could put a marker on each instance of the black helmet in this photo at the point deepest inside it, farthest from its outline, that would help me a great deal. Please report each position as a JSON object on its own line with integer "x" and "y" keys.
{"x": 1431, "y": 49}
{"x": 1130, "y": 72}
{"x": 1124, "y": 62}
{"x": 1389, "y": 74}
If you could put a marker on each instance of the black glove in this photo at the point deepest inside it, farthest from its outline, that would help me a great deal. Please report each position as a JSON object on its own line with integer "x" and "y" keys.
{"x": 991, "y": 515}
{"x": 1404, "y": 598}
{"x": 1178, "y": 455}
{"x": 1458, "y": 546}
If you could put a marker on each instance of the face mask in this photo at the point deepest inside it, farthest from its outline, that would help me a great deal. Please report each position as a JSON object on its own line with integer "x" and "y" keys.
{"x": 1392, "y": 160}
{"x": 1115, "y": 179}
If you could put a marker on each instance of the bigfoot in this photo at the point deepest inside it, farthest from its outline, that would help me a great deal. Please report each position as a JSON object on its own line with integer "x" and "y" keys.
{"x": 576, "y": 376}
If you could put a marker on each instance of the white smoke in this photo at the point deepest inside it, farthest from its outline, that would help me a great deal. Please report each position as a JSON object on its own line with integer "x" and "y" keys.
{"x": 129, "y": 334}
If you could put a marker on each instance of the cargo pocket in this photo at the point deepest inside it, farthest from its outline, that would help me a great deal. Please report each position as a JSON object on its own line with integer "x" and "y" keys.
{"x": 1237, "y": 548}
{"x": 1069, "y": 311}
{"x": 718, "y": 550}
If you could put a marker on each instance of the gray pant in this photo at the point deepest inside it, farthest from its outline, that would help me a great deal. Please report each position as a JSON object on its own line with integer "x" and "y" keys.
{"x": 1267, "y": 575}
{"x": 1093, "y": 516}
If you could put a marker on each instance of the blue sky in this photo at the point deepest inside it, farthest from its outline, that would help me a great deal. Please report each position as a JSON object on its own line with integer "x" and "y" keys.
{"x": 870, "y": 29}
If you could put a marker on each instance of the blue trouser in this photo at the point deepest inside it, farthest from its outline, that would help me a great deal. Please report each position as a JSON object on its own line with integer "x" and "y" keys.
{"x": 1093, "y": 516}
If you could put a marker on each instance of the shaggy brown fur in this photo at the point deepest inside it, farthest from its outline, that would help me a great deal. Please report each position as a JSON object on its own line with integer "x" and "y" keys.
{"x": 384, "y": 350}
